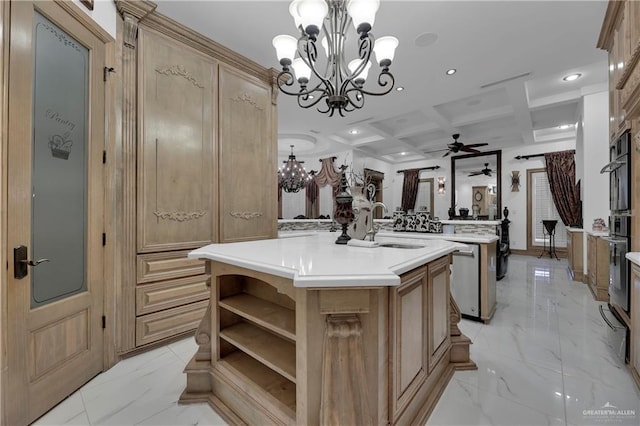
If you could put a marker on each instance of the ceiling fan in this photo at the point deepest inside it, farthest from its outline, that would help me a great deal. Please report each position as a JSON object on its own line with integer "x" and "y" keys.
{"x": 458, "y": 146}
{"x": 486, "y": 171}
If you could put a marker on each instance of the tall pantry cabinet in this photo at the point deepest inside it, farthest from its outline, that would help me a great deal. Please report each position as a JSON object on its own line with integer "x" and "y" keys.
{"x": 197, "y": 165}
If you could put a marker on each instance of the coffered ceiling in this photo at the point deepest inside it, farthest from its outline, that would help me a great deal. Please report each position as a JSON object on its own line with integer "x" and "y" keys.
{"x": 510, "y": 58}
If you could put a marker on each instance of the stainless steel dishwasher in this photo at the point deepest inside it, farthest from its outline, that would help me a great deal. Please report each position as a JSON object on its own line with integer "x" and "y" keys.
{"x": 465, "y": 280}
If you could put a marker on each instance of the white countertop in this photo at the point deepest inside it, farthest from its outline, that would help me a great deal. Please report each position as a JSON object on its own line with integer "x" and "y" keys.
{"x": 461, "y": 238}
{"x": 471, "y": 222}
{"x": 316, "y": 261}
{"x": 597, "y": 233}
{"x": 572, "y": 229}
{"x": 634, "y": 257}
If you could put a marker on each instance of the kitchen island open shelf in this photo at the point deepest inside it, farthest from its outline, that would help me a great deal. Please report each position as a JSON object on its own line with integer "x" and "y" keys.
{"x": 326, "y": 342}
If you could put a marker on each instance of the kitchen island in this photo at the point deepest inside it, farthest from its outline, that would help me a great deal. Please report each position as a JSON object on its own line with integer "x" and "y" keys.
{"x": 303, "y": 331}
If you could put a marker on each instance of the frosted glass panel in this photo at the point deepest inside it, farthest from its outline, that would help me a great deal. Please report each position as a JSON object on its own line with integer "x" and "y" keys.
{"x": 59, "y": 173}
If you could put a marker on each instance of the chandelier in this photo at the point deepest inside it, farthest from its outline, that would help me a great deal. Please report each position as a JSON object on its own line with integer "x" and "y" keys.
{"x": 339, "y": 83}
{"x": 292, "y": 177}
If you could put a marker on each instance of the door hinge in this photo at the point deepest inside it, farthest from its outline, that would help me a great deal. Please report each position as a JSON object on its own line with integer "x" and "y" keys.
{"x": 104, "y": 239}
{"x": 104, "y": 157}
{"x": 106, "y": 72}
{"x": 104, "y": 321}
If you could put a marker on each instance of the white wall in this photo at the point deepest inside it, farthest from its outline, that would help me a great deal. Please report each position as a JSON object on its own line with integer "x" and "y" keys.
{"x": 595, "y": 154}
{"x": 104, "y": 13}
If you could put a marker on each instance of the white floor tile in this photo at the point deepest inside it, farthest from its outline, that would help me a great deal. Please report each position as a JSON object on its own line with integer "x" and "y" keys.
{"x": 185, "y": 415}
{"x": 527, "y": 384}
{"x": 68, "y": 412}
{"x": 464, "y": 404}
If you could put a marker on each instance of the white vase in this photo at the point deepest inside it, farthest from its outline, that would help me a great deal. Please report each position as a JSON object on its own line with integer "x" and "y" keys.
{"x": 362, "y": 212}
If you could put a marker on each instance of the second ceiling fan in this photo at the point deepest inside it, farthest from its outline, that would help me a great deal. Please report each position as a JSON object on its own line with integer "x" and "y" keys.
{"x": 456, "y": 146}
{"x": 486, "y": 171}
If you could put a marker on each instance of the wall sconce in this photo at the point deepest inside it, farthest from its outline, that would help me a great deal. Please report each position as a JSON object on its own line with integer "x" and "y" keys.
{"x": 441, "y": 185}
{"x": 515, "y": 181}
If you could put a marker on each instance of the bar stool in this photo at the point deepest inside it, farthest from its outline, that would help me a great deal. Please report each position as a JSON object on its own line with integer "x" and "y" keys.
{"x": 550, "y": 228}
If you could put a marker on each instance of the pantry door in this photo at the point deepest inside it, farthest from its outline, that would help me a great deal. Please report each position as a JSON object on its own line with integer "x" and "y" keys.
{"x": 55, "y": 212}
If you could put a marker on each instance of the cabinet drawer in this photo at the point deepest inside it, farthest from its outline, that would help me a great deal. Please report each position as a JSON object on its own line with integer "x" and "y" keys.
{"x": 169, "y": 294}
{"x": 161, "y": 325}
{"x": 165, "y": 266}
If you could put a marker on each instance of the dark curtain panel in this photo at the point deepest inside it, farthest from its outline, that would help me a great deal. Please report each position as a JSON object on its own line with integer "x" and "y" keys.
{"x": 410, "y": 188}
{"x": 312, "y": 208}
{"x": 328, "y": 175}
{"x": 561, "y": 171}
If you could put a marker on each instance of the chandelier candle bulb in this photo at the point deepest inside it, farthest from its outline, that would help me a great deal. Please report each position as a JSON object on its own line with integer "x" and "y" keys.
{"x": 312, "y": 13}
{"x": 339, "y": 83}
{"x": 385, "y": 50}
{"x": 286, "y": 47}
{"x": 293, "y": 10}
{"x": 302, "y": 71}
{"x": 363, "y": 14}
{"x": 360, "y": 76}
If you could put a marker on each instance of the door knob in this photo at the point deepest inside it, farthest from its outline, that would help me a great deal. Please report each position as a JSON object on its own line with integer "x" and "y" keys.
{"x": 20, "y": 262}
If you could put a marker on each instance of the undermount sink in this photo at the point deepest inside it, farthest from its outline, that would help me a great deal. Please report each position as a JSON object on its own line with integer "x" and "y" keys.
{"x": 401, "y": 246}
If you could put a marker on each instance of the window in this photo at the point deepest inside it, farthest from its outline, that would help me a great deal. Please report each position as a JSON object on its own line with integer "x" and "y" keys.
{"x": 541, "y": 207}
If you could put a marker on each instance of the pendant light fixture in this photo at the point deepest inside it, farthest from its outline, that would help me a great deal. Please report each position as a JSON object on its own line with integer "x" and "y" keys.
{"x": 292, "y": 176}
{"x": 330, "y": 76}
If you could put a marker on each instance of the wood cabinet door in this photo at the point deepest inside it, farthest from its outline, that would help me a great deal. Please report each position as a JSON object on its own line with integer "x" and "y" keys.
{"x": 176, "y": 156}
{"x": 247, "y": 172}
{"x": 635, "y": 318}
{"x": 591, "y": 257}
{"x": 408, "y": 336}
{"x": 570, "y": 250}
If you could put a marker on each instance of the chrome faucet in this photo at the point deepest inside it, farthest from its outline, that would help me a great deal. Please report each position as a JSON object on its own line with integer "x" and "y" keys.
{"x": 371, "y": 232}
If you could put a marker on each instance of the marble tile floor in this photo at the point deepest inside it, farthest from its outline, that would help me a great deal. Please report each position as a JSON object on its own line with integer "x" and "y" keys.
{"x": 543, "y": 360}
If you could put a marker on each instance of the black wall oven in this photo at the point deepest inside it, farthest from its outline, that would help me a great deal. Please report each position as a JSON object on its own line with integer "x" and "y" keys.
{"x": 619, "y": 174}
{"x": 619, "y": 242}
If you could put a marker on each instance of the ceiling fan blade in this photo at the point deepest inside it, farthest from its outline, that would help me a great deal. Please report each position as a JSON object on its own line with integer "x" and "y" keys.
{"x": 475, "y": 174}
{"x": 447, "y": 153}
{"x": 437, "y": 150}
{"x": 466, "y": 148}
{"x": 474, "y": 145}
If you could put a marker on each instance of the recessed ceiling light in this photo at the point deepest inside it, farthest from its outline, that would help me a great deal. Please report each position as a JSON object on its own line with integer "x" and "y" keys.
{"x": 311, "y": 96}
{"x": 399, "y": 88}
{"x": 354, "y": 131}
{"x": 403, "y": 153}
{"x": 451, "y": 71}
{"x": 572, "y": 77}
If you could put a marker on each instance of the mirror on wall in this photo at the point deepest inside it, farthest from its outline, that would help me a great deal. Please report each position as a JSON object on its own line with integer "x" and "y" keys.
{"x": 476, "y": 185}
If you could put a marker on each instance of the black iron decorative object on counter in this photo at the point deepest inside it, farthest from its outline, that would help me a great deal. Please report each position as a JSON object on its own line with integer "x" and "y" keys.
{"x": 344, "y": 209}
